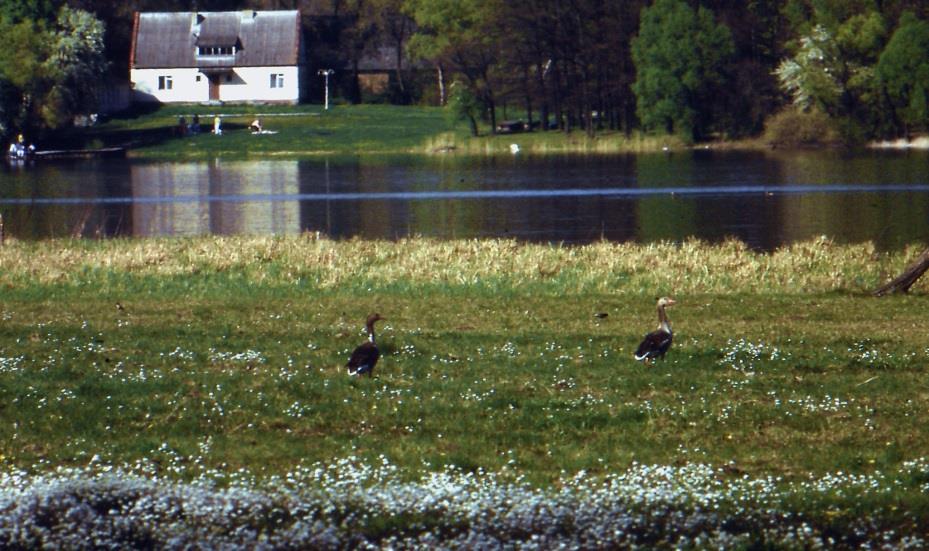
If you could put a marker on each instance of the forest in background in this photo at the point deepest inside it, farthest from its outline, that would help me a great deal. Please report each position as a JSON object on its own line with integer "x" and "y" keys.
{"x": 827, "y": 70}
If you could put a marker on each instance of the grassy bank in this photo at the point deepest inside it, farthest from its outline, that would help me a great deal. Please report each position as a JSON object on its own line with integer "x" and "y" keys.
{"x": 178, "y": 359}
{"x": 541, "y": 143}
{"x": 308, "y": 130}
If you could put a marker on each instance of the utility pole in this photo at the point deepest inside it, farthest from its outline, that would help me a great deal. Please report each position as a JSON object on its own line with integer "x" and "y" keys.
{"x": 326, "y": 73}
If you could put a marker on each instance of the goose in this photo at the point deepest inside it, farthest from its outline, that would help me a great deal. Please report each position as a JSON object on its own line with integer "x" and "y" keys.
{"x": 365, "y": 356}
{"x": 656, "y": 343}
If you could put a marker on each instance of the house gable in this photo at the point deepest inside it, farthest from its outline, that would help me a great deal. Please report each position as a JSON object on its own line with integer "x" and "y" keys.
{"x": 185, "y": 39}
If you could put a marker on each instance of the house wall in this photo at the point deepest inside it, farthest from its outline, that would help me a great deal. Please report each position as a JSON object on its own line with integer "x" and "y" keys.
{"x": 254, "y": 84}
{"x": 244, "y": 84}
{"x": 184, "y": 85}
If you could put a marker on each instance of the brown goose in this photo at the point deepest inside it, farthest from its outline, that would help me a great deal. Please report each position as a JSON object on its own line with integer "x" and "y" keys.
{"x": 365, "y": 356}
{"x": 656, "y": 343}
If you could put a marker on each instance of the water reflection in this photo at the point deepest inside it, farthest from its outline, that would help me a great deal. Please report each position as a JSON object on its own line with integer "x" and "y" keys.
{"x": 766, "y": 199}
{"x": 202, "y": 198}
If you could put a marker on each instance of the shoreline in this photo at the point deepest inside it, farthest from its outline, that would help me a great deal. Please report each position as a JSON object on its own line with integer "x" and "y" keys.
{"x": 921, "y": 142}
{"x": 372, "y": 131}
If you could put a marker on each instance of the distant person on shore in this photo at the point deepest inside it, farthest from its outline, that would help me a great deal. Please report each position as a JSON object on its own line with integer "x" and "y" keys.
{"x": 217, "y": 126}
{"x": 18, "y": 148}
{"x": 195, "y": 125}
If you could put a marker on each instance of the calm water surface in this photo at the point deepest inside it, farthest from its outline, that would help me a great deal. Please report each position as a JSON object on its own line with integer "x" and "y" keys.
{"x": 766, "y": 199}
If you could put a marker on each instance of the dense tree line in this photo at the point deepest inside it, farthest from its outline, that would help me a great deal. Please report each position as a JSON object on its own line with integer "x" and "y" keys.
{"x": 696, "y": 68}
{"x": 51, "y": 57}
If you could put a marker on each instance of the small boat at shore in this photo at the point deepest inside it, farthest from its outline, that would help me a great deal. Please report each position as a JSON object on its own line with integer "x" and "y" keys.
{"x": 99, "y": 153}
{"x": 103, "y": 152}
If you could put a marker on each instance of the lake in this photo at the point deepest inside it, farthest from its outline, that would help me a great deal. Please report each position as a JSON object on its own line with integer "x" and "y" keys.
{"x": 765, "y": 198}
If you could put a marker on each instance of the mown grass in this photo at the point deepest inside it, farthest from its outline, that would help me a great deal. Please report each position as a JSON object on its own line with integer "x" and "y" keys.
{"x": 309, "y": 130}
{"x": 296, "y": 131}
{"x": 226, "y": 353}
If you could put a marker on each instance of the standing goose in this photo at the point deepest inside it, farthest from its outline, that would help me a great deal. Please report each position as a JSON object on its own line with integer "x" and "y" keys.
{"x": 656, "y": 343}
{"x": 365, "y": 356}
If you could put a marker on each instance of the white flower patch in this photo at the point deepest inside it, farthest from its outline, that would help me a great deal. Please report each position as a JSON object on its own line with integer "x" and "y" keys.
{"x": 408, "y": 350}
{"x": 470, "y": 395}
{"x": 180, "y": 354}
{"x": 10, "y": 365}
{"x": 509, "y": 349}
{"x": 296, "y": 410}
{"x": 359, "y": 504}
{"x": 247, "y": 357}
{"x": 746, "y": 356}
{"x": 865, "y": 353}
{"x": 563, "y": 383}
{"x": 811, "y": 404}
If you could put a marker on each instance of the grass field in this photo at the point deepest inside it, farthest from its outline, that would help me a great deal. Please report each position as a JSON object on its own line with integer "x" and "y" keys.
{"x": 308, "y": 130}
{"x": 294, "y": 131}
{"x": 493, "y": 354}
{"x": 224, "y": 355}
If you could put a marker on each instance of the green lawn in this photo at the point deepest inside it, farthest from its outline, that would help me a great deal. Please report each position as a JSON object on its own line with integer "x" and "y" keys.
{"x": 295, "y": 131}
{"x": 230, "y": 351}
{"x": 309, "y": 130}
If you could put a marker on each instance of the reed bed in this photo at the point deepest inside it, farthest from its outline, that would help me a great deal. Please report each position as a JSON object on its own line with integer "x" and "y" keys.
{"x": 689, "y": 267}
{"x": 553, "y": 142}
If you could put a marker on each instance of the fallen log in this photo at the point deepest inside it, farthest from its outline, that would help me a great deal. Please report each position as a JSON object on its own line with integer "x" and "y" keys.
{"x": 903, "y": 282}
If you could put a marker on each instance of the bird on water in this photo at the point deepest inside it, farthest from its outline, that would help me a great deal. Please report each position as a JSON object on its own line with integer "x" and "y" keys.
{"x": 365, "y": 356}
{"x": 656, "y": 343}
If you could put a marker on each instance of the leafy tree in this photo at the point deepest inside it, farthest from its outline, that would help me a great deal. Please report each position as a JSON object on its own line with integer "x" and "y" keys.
{"x": 680, "y": 55}
{"x": 16, "y": 11}
{"x": 392, "y": 27}
{"x": 903, "y": 68}
{"x": 759, "y": 31}
{"x": 833, "y": 66}
{"x": 74, "y": 66}
{"x": 23, "y": 48}
{"x": 464, "y": 36}
{"x": 809, "y": 76}
{"x": 49, "y": 72}
{"x": 462, "y": 105}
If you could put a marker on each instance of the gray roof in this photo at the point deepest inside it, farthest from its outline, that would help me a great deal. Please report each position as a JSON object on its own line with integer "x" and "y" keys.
{"x": 261, "y": 38}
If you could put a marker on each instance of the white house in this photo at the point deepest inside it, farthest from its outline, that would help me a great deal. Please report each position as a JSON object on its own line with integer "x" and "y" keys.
{"x": 241, "y": 56}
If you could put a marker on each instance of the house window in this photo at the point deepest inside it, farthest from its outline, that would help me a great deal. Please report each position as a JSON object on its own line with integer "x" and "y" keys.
{"x": 215, "y": 50}
{"x": 198, "y": 78}
{"x": 165, "y": 82}
{"x": 277, "y": 80}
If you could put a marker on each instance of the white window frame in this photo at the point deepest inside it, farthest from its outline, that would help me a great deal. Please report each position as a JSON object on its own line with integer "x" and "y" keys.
{"x": 277, "y": 80}
{"x": 215, "y": 51}
{"x": 165, "y": 82}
